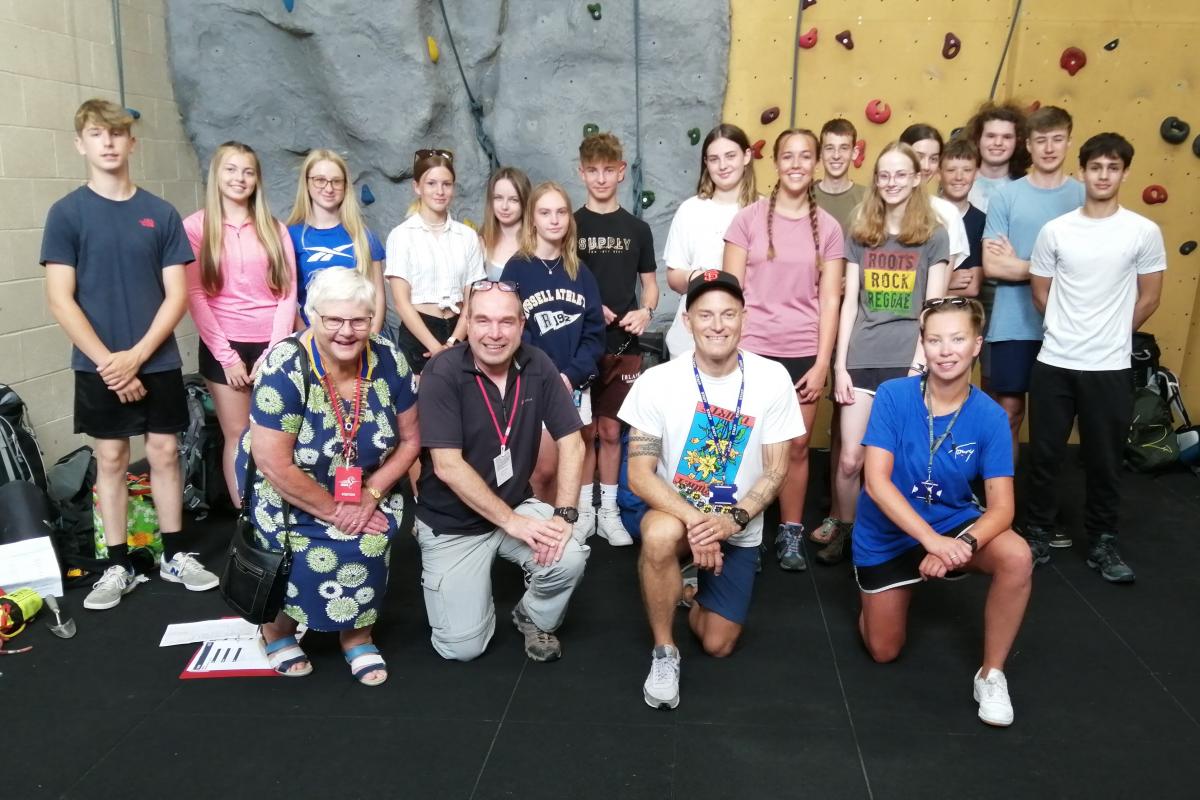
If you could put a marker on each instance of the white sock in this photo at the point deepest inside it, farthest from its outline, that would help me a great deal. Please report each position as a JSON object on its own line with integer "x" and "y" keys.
{"x": 608, "y": 495}
{"x": 586, "y": 496}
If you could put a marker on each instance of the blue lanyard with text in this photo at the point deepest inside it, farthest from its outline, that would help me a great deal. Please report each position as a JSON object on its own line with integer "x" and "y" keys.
{"x": 723, "y": 453}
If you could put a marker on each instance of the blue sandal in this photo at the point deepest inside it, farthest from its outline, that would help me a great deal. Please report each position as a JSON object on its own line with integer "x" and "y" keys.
{"x": 363, "y": 660}
{"x": 284, "y": 654}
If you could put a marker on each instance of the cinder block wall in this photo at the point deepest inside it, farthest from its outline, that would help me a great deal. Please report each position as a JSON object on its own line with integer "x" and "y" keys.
{"x": 53, "y": 55}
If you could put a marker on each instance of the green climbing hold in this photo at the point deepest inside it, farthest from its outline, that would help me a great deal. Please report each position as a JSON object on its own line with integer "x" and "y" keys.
{"x": 590, "y": 129}
{"x": 647, "y": 199}
{"x": 694, "y": 136}
{"x": 594, "y": 10}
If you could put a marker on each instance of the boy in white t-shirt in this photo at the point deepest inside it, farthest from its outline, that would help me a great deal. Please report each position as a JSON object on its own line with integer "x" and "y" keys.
{"x": 1097, "y": 277}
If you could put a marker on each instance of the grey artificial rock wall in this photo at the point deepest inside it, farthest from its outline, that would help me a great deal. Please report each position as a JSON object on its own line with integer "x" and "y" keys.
{"x": 355, "y": 75}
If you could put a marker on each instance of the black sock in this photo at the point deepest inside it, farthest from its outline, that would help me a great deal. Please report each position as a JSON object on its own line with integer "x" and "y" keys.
{"x": 174, "y": 542}
{"x": 119, "y": 554}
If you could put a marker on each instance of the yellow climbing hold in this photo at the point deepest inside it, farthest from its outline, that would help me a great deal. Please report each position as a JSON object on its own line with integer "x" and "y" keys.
{"x": 431, "y": 43}
{"x": 470, "y": 223}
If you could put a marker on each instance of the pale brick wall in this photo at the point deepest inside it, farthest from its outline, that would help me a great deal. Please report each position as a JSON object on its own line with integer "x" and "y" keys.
{"x": 54, "y": 54}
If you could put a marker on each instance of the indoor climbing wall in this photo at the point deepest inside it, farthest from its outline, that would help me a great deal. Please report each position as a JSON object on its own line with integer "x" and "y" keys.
{"x": 1121, "y": 65}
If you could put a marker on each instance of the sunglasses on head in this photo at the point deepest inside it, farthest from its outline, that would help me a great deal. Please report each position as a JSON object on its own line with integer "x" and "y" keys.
{"x": 420, "y": 155}
{"x": 953, "y": 301}
{"x": 486, "y": 285}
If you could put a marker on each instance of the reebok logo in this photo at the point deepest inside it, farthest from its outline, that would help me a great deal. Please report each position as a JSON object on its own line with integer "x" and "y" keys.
{"x": 146, "y": 222}
{"x": 319, "y": 254}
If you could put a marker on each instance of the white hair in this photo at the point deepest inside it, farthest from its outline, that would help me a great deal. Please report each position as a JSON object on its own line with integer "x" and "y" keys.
{"x": 336, "y": 285}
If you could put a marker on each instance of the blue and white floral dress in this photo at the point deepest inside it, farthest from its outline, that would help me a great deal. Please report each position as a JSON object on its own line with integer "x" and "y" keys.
{"x": 338, "y": 581}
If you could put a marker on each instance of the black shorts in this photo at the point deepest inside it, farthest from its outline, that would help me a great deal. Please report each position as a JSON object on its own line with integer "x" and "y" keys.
{"x": 796, "y": 366}
{"x": 414, "y": 352}
{"x": 1010, "y": 364}
{"x": 101, "y": 415}
{"x": 869, "y": 379}
{"x": 904, "y": 569}
{"x": 211, "y": 369}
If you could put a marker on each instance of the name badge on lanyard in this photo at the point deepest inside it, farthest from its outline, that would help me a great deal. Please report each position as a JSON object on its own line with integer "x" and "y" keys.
{"x": 502, "y": 464}
{"x": 347, "y": 479}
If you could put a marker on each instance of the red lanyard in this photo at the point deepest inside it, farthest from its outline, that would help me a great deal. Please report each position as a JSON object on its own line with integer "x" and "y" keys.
{"x": 347, "y": 428}
{"x": 503, "y": 435}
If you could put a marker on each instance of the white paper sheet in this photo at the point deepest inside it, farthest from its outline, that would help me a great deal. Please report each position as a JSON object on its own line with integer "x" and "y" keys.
{"x": 230, "y": 655}
{"x": 208, "y": 630}
{"x": 31, "y": 563}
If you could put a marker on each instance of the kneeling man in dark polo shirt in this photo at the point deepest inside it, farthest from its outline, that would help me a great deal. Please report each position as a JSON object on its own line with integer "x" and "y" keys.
{"x": 482, "y": 405}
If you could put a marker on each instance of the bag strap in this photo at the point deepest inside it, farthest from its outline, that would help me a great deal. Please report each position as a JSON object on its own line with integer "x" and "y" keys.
{"x": 250, "y": 467}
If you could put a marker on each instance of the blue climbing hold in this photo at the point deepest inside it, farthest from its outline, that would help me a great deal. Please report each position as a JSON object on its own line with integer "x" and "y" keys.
{"x": 365, "y": 195}
{"x": 289, "y": 5}
{"x": 133, "y": 112}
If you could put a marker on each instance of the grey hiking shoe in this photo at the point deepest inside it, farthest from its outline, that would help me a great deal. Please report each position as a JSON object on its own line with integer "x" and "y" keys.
{"x": 185, "y": 569}
{"x": 1104, "y": 558}
{"x": 1039, "y": 543}
{"x": 789, "y": 547}
{"x": 661, "y": 689}
{"x": 540, "y": 645}
{"x": 115, "y": 583}
{"x": 1054, "y": 537}
{"x": 835, "y": 551}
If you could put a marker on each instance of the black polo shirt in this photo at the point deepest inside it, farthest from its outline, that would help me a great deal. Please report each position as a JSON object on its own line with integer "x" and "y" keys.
{"x": 453, "y": 414}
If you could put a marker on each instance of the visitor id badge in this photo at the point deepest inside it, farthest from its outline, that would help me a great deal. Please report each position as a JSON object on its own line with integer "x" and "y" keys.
{"x": 577, "y": 396}
{"x": 503, "y": 466}
{"x": 721, "y": 494}
{"x": 347, "y": 484}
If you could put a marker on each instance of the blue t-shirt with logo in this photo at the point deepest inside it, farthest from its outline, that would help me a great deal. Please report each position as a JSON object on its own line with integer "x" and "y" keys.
{"x": 979, "y": 446}
{"x": 119, "y": 249}
{"x": 321, "y": 248}
{"x": 1019, "y": 210}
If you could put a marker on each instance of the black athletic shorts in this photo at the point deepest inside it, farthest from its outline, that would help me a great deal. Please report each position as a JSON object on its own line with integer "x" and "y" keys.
{"x": 904, "y": 569}
{"x": 869, "y": 379}
{"x": 1010, "y": 364}
{"x": 211, "y": 369}
{"x": 101, "y": 415}
{"x": 796, "y": 366}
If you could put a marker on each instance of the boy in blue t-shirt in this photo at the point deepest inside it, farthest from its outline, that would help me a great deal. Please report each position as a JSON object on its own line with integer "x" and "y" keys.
{"x": 114, "y": 257}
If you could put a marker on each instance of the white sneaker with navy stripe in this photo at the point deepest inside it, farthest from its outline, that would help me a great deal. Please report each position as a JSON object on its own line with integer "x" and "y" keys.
{"x": 185, "y": 569}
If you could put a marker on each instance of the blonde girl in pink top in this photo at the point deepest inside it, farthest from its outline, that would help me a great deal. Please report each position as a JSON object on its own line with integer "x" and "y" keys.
{"x": 241, "y": 288}
{"x": 788, "y": 254}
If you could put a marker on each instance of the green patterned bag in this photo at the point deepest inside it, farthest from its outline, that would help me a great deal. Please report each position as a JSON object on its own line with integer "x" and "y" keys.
{"x": 141, "y": 524}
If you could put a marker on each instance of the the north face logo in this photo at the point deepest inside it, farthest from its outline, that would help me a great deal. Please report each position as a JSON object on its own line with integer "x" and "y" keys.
{"x": 146, "y": 222}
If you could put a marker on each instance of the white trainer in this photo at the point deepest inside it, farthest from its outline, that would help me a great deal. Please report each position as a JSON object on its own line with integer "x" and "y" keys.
{"x": 585, "y": 526}
{"x": 661, "y": 689}
{"x": 608, "y": 526}
{"x": 995, "y": 707}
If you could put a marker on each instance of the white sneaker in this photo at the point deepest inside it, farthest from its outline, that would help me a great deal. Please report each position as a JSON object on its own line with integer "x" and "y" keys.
{"x": 185, "y": 569}
{"x": 585, "y": 526}
{"x": 608, "y": 526}
{"x": 995, "y": 707}
{"x": 115, "y": 583}
{"x": 661, "y": 689}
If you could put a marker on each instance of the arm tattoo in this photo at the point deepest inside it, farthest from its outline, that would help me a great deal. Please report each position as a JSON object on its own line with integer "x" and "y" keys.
{"x": 766, "y": 488}
{"x": 643, "y": 444}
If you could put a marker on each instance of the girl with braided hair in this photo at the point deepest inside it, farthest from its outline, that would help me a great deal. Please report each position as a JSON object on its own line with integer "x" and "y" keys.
{"x": 787, "y": 252}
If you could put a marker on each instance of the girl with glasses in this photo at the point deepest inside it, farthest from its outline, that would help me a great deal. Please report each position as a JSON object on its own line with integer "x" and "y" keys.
{"x": 506, "y": 198}
{"x": 241, "y": 288}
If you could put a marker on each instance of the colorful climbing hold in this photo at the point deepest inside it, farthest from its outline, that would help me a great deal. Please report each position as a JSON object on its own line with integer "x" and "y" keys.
{"x": 590, "y": 129}
{"x": 133, "y": 112}
{"x": 646, "y": 200}
{"x": 1072, "y": 60}
{"x": 951, "y": 45}
{"x": 1034, "y": 106}
{"x": 808, "y": 40}
{"x": 769, "y": 115}
{"x": 878, "y": 112}
{"x": 1154, "y": 194}
{"x": 365, "y": 195}
{"x": 432, "y": 46}
{"x": 845, "y": 40}
{"x": 757, "y": 148}
{"x": 289, "y": 5}
{"x": 1112, "y": 45}
{"x": 1187, "y": 248}
{"x": 955, "y": 132}
{"x": 1174, "y": 130}
{"x": 470, "y": 223}
{"x": 694, "y": 136}
{"x": 1196, "y": 147}
{"x": 807, "y": 4}
{"x": 860, "y": 153}
{"x": 594, "y": 10}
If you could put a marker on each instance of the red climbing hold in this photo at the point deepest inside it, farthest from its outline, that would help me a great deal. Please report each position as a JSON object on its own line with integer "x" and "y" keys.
{"x": 1154, "y": 194}
{"x": 951, "y": 45}
{"x": 770, "y": 115}
{"x": 845, "y": 40}
{"x": 878, "y": 112}
{"x": 757, "y": 148}
{"x": 1072, "y": 60}
{"x": 860, "y": 152}
{"x": 808, "y": 40}
{"x": 1034, "y": 106}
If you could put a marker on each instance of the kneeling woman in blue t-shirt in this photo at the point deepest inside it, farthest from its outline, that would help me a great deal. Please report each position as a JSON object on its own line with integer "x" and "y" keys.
{"x": 928, "y": 437}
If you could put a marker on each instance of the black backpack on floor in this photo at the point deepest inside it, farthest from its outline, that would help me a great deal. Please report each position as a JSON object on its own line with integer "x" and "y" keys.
{"x": 20, "y": 456}
{"x": 200, "y": 449}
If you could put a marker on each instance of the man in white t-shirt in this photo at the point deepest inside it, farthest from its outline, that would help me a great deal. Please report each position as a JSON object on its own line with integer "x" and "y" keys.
{"x": 1097, "y": 275}
{"x": 708, "y": 451}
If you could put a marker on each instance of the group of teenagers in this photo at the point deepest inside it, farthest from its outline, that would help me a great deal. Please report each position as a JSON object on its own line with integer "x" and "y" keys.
{"x": 500, "y": 369}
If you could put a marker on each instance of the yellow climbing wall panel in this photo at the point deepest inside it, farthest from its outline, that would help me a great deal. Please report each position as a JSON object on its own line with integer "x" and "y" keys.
{"x": 1151, "y": 74}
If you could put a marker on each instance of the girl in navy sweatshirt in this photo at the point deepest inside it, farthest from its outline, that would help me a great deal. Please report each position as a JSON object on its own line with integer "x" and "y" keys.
{"x": 563, "y": 310}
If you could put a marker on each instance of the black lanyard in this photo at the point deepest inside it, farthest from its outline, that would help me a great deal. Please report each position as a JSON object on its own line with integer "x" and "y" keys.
{"x": 723, "y": 452}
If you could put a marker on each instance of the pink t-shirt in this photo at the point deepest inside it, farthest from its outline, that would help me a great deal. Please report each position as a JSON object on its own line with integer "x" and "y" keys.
{"x": 781, "y": 295}
{"x": 244, "y": 310}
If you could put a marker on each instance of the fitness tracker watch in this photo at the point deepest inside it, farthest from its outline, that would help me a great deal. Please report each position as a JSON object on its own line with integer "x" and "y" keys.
{"x": 569, "y": 513}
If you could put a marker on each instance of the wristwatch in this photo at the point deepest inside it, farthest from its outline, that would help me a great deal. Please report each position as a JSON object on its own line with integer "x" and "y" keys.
{"x": 740, "y": 515}
{"x": 969, "y": 539}
{"x": 570, "y": 514}
{"x": 451, "y": 341}
{"x": 371, "y": 490}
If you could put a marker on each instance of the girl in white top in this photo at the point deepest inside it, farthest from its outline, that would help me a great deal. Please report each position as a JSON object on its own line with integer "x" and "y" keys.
{"x": 506, "y": 198}
{"x": 432, "y": 260}
{"x": 696, "y": 241}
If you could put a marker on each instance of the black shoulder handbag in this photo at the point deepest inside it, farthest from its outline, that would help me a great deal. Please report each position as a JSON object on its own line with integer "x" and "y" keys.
{"x": 255, "y": 578}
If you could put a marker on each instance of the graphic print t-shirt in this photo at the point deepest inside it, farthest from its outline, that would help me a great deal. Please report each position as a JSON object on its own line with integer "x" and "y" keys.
{"x": 665, "y": 402}
{"x": 617, "y": 247}
{"x": 322, "y": 248}
{"x": 892, "y": 280}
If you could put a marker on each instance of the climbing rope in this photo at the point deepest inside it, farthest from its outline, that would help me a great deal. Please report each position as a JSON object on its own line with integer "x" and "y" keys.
{"x": 116, "y": 14}
{"x": 635, "y": 170}
{"x": 1004, "y": 54}
{"x": 485, "y": 141}
{"x": 795, "y": 63}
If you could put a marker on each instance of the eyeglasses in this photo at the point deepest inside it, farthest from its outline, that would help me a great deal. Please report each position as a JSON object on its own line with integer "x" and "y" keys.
{"x": 951, "y": 301}
{"x": 420, "y": 155}
{"x": 319, "y": 183}
{"x": 486, "y": 285}
{"x": 334, "y": 324}
{"x": 884, "y": 178}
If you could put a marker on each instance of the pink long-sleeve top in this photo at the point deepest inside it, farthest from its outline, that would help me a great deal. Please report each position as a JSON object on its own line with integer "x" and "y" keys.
{"x": 245, "y": 310}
